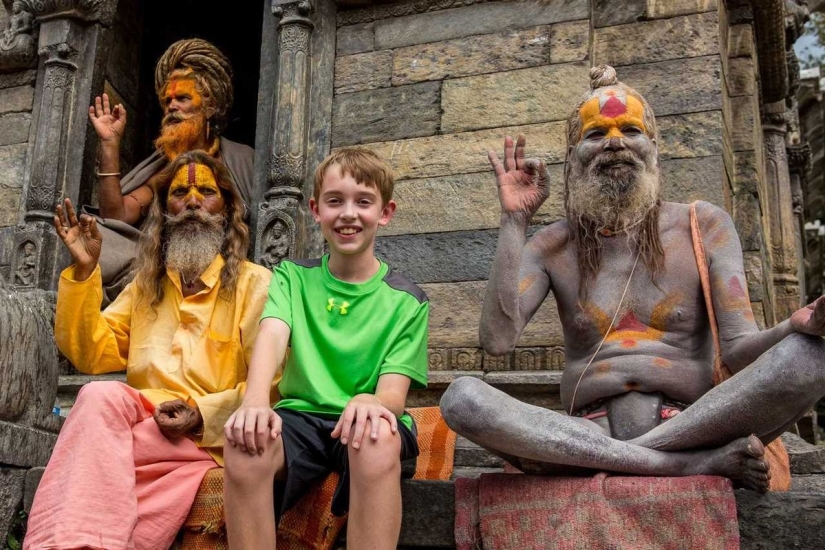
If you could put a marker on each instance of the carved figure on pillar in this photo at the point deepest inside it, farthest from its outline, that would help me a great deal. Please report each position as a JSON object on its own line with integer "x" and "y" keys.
{"x": 18, "y": 44}
{"x": 653, "y": 303}
{"x": 26, "y": 272}
{"x": 287, "y": 157}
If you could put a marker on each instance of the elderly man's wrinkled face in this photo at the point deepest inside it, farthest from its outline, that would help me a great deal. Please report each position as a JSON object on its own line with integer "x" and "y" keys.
{"x": 614, "y": 165}
{"x": 184, "y": 123}
{"x": 195, "y": 220}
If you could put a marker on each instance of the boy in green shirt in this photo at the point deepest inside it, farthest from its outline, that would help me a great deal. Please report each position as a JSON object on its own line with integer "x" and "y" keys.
{"x": 357, "y": 333}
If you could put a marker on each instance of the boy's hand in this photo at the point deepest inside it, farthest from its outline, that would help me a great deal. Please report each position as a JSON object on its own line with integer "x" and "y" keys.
{"x": 251, "y": 427}
{"x": 361, "y": 408}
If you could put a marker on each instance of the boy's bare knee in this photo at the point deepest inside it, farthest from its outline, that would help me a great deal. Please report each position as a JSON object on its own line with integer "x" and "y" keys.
{"x": 376, "y": 459}
{"x": 245, "y": 470}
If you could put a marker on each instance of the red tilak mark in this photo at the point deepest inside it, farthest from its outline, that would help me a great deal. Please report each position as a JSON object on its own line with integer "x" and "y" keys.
{"x": 735, "y": 287}
{"x": 629, "y": 343}
{"x": 191, "y": 173}
{"x": 630, "y": 322}
{"x": 613, "y": 107}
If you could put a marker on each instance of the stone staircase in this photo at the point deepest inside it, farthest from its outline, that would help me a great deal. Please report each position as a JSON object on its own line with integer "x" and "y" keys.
{"x": 766, "y": 521}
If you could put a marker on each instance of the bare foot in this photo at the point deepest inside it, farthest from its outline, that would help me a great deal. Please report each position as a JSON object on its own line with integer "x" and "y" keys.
{"x": 743, "y": 460}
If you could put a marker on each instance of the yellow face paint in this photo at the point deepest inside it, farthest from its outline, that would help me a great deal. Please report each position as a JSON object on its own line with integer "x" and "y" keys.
{"x": 611, "y": 111}
{"x": 178, "y": 87}
{"x": 194, "y": 180}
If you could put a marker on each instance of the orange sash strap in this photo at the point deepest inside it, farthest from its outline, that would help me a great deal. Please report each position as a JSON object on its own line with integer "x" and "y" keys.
{"x": 775, "y": 452}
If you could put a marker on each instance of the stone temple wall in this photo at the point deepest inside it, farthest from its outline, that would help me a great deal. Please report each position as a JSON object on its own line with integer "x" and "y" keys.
{"x": 432, "y": 86}
{"x": 16, "y": 100}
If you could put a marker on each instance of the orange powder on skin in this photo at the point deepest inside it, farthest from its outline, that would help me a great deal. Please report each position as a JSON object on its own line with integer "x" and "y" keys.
{"x": 612, "y": 115}
{"x": 629, "y": 329}
{"x": 195, "y": 178}
{"x": 525, "y": 284}
{"x": 181, "y": 87}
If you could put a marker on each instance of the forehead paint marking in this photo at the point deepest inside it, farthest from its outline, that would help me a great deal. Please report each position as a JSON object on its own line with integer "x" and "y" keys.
{"x": 193, "y": 177}
{"x": 183, "y": 86}
{"x": 611, "y": 110}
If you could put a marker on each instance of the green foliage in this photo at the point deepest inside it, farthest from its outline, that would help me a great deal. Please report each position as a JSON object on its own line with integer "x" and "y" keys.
{"x": 17, "y": 532}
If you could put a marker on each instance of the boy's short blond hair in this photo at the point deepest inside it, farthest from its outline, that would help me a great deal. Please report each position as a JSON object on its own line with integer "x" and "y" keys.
{"x": 365, "y": 167}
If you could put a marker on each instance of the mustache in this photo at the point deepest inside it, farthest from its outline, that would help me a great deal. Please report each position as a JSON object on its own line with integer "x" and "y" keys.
{"x": 198, "y": 216}
{"x": 614, "y": 159}
{"x": 174, "y": 118}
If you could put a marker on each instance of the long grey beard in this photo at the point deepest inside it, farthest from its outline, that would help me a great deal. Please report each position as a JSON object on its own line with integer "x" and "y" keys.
{"x": 617, "y": 198}
{"x": 194, "y": 239}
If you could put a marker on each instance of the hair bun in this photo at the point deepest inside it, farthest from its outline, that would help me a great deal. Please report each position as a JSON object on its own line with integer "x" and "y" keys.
{"x": 603, "y": 75}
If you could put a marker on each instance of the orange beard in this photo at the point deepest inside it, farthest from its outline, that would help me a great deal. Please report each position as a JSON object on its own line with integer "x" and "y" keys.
{"x": 180, "y": 137}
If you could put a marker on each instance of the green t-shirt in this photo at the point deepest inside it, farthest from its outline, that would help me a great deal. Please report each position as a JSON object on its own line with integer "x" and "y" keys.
{"x": 345, "y": 335}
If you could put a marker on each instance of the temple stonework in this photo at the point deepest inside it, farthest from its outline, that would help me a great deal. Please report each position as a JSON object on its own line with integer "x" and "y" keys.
{"x": 431, "y": 85}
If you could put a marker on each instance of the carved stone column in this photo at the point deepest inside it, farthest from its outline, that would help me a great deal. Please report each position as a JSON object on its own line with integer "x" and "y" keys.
{"x": 297, "y": 60}
{"x": 70, "y": 48}
{"x": 778, "y": 214}
{"x": 799, "y": 165}
{"x": 275, "y": 236}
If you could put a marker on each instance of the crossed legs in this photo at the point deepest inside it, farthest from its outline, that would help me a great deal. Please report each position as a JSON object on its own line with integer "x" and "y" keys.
{"x": 713, "y": 436}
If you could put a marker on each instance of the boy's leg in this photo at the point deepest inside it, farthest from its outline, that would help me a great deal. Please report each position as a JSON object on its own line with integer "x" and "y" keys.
{"x": 248, "y": 495}
{"x": 375, "y": 491}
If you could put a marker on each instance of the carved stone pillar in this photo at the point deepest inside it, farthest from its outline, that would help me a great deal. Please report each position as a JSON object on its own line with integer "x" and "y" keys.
{"x": 799, "y": 165}
{"x": 70, "y": 48}
{"x": 778, "y": 213}
{"x": 297, "y": 64}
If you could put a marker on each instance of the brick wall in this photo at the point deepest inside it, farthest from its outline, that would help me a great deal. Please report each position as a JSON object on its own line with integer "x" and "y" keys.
{"x": 433, "y": 90}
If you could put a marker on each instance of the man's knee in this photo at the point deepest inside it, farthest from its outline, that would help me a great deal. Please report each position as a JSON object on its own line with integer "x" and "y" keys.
{"x": 802, "y": 354}
{"x": 460, "y": 403}
{"x": 245, "y": 470}
{"x": 376, "y": 459}
{"x": 104, "y": 392}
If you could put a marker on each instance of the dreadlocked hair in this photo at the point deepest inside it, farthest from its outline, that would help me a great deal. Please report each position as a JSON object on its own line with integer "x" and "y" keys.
{"x": 150, "y": 265}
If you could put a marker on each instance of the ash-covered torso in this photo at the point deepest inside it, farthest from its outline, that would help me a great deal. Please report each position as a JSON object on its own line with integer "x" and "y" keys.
{"x": 660, "y": 340}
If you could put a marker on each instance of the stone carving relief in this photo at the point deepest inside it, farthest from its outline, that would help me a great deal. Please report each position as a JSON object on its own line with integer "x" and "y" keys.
{"x": 474, "y": 359}
{"x": 275, "y": 240}
{"x": 18, "y": 43}
{"x": 86, "y": 10}
{"x": 25, "y": 271}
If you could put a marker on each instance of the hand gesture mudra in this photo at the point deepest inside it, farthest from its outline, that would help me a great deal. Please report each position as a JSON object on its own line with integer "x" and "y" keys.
{"x": 82, "y": 238}
{"x": 109, "y": 123}
{"x": 522, "y": 184}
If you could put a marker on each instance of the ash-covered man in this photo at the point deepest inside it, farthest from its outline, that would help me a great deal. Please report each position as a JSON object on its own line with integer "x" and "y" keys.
{"x": 130, "y": 458}
{"x": 639, "y": 382}
{"x": 193, "y": 81}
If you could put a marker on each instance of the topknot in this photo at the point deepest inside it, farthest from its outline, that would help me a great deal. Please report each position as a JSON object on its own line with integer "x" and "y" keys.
{"x": 603, "y": 75}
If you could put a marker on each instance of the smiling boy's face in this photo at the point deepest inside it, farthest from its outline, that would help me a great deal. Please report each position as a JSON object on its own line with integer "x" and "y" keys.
{"x": 349, "y": 213}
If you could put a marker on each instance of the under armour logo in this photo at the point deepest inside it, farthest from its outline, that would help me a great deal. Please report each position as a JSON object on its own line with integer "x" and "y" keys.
{"x": 342, "y": 308}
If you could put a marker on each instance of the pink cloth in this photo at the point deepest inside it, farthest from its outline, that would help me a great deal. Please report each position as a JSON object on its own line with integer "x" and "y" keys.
{"x": 114, "y": 481}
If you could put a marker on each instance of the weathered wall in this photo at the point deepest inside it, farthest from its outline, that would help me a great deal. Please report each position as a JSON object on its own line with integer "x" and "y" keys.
{"x": 432, "y": 89}
{"x": 16, "y": 100}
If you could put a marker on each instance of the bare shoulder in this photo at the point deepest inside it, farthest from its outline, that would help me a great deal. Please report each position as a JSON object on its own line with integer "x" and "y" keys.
{"x": 551, "y": 239}
{"x": 712, "y": 218}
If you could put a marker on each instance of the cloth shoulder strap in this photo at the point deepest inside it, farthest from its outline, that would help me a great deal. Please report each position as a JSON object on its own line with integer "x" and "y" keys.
{"x": 720, "y": 371}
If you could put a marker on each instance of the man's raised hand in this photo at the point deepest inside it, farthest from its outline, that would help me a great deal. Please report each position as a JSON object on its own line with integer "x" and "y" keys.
{"x": 522, "y": 184}
{"x": 82, "y": 238}
{"x": 251, "y": 427}
{"x": 109, "y": 123}
{"x": 811, "y": 318}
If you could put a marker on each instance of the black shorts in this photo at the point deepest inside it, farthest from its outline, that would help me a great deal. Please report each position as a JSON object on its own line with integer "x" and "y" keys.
{"x": 311, "y": 454}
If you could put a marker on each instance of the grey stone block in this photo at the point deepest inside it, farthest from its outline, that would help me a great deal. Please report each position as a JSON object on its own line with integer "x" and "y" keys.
{"x": 805, "y": 458}
{"x": 678, "y": 86}
{"x": 14, "y": 128}
{"x": 687, "y": 180}
{"x": 33, "y": 477}
{"x": 436, "y": 500}
{"x": 607, "y": 13}
{"x": 11, "y": 495}
{"x": 775, "y": 521}
{"x": 747, "y": 217}
{"x": 23, "y": 446}
{"x": 363, "y": 71}
{"x": 476, "y": 19}
{"x": 17, "y": 99}
{"x": 20, "y": 78}
{"x": 355, "y": 39}
{"x": 386, "y": 114}
{"x": 12, "y": 165}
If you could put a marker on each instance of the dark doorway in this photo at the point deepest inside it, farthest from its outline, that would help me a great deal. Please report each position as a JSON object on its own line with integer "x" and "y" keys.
{"x": 234, "y": 28}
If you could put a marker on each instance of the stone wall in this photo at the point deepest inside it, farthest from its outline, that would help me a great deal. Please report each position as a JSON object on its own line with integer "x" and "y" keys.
{"x": 16, "y": 100}
{"x": 432, "y": 87}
